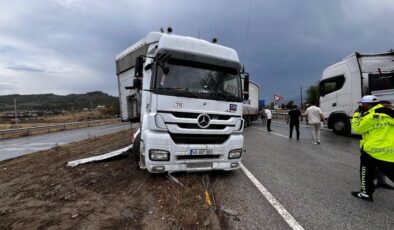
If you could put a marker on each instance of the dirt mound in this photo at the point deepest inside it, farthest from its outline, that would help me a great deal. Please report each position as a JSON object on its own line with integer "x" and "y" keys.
{"x": 38, "y": 191}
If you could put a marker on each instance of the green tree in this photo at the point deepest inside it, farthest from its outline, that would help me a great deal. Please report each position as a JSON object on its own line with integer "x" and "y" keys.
{"x": 112, "y": 110}
{"x": 312, "y": 94}
{"x": 290, "y": 105}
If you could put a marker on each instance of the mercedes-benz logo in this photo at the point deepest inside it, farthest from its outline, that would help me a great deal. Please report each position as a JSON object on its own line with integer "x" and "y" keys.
{"x": 203, "y": 120}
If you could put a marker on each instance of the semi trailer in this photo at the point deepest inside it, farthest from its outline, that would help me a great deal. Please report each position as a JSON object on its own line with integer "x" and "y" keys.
{"x": 344, "y": 84}
{"x": 250, "y": 111}
{"x": 187, "y": 95}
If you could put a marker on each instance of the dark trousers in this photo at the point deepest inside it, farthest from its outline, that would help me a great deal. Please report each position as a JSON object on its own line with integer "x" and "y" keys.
{"x": 269, "y": 124}
{"x": 368, "y": 167}
{"x": 297, "y": 127}
{"x": 380, "y": 177}
{"x": 263, "y": 120}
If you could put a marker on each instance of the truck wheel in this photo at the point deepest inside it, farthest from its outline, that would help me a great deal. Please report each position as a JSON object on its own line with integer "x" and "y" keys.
{"x": 341, "y": 126}
{"x": 246, "y": 122}
{"x": 135, "y": 150}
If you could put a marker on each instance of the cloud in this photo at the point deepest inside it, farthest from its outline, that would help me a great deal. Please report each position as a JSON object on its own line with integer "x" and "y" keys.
{"x": 25, "y": 68}
{"x": 69, "y": 46}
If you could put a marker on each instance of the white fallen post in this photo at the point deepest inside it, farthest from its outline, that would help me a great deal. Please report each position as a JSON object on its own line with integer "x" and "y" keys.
{"x": 99, "y": 157}
{"x": 173, "y": 179}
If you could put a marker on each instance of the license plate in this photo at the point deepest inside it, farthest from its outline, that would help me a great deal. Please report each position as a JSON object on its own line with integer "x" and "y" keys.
{"x": 200, "y": 151}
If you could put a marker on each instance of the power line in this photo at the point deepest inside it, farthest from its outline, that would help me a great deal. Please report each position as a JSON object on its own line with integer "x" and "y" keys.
{"x": 247, "y": 30}
{"x": 301, "y": 97}
{"x": 16, "y": 112}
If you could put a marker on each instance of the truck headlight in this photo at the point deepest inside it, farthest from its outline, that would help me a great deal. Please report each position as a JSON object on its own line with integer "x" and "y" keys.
{"x": 235, "y": 154}
{"x": 160, "y": 122}
{"x": 159, "y": 155}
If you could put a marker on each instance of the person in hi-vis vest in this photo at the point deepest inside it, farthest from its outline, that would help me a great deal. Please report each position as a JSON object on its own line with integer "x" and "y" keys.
{"x": 376, "y": 125}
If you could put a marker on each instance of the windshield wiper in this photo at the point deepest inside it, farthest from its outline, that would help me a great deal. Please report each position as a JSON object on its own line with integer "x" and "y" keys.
{"x": 179, "y": 91}
{"x": 224, "y": 95}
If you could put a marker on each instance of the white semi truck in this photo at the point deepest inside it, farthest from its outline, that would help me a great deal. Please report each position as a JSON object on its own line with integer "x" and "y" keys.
{"x": 344, "y": 83}
{"x": 251, "y": 106}
{"x": 187, "y": 95}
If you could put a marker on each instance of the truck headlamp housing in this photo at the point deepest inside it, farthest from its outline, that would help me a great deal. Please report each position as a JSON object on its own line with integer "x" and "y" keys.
{"x": 235, "y": 154}
{"x": 239, "y": 125}
{"x": 160, "y": 122}
{"x": 159, "y": 155}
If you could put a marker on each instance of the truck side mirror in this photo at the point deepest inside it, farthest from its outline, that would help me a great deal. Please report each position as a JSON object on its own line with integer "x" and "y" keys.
{"x": 139, "y": 64}
{"x": 148, "y": 67}
{"x": 166, "y": 70}
{"x": 246, "y": 86}
{"x": 321, "y": 90}
{"x": 137, "y": 83}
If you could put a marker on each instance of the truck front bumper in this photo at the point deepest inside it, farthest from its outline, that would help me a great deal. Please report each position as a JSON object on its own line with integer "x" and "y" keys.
{"x": 180, "y": 158}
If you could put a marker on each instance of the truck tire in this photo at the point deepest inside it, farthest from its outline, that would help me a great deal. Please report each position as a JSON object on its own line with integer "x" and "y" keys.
{"x": 246, "y": 121}
{"x": 341, "y": 126}
{"x": 135, "y": 150}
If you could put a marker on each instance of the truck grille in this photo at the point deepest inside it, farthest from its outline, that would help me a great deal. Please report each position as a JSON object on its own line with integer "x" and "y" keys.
{"x": 198, "y": 139}
{"x": 195, "y": 115}
{"x": 195, "y": 126}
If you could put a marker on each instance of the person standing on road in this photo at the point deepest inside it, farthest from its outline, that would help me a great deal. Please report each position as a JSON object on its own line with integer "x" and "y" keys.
{"x": 294, "y": 116}
{"x": 263, "y": 120}
{"x": 376, "y": 125}
{"x": 268, "y": 116}
{"x": 313, "y": 117}
{"x": 380, "y": 177}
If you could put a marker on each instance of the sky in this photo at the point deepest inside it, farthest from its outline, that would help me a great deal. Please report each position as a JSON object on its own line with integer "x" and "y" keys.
{"x": 69, "y": 46}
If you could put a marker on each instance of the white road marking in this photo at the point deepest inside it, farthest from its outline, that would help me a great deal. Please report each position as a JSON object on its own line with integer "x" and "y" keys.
{"x": 305, "y": 126}
{"x": 277, "y": 134}
{"x": 271, "y": 199}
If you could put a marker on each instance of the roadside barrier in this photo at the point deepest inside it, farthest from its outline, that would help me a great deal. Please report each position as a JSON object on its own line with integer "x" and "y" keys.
{"x": 283, "y": 116}
{"x": 13, "y": 133}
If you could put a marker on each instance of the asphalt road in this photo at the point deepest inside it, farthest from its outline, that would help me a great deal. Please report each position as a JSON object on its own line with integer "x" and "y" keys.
{"x": 312, "y": 182}
{"x": 12, "y": 148}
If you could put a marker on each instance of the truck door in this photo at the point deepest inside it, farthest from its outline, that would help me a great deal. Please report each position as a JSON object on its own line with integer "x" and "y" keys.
{"x": 328, "y": 93}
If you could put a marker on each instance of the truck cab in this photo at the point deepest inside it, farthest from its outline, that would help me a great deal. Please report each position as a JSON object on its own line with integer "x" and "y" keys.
{"x": 190, "y": 103}
{"x": 344, "y": 83}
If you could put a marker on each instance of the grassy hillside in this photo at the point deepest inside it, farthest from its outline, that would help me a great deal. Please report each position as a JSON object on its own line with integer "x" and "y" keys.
{"x": 56, "y": 102}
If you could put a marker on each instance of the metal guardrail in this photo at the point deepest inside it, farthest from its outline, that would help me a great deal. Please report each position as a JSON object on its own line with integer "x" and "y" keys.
{"x": 283, "y": 116}
{"x": 13, "y": 133}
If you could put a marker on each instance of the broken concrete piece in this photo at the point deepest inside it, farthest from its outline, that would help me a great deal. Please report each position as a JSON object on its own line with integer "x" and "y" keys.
{"x": 127, "y": 214}
{"x": 230, "y": 212}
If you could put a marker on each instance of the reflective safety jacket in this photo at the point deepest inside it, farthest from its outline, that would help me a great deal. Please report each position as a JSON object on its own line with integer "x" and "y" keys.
{"x": 377, "y": 130}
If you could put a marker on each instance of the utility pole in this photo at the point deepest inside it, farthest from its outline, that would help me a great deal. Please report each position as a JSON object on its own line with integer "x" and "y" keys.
{"x": 301, "y": 98}
{"x": 15, "y": 111}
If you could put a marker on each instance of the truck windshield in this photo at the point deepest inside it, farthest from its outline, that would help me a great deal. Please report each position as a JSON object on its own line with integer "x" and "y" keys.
{"x": 193, "y": 79}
